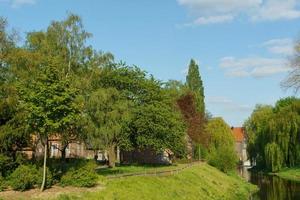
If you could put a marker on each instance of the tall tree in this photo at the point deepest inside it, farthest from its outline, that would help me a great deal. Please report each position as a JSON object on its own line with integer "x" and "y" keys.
{"x": 108, "y": 114}
{"x": 194, "y": 83}
{"x": 222, "y": 147}
{"x": 157, "y": 126}
{"x": 273, "y": 135}
{"x": 51, "y": 108}
{"x": 12, "y": 134}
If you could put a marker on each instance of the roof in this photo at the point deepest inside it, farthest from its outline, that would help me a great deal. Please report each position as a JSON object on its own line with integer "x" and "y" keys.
{"x": 238, "y": 133}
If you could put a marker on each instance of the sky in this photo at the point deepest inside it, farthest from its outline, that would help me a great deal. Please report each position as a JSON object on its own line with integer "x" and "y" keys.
{"x": 242, "y": 46}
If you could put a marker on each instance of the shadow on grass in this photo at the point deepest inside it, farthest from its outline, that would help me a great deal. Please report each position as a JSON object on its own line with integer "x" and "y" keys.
{"x": 133, "y": 168}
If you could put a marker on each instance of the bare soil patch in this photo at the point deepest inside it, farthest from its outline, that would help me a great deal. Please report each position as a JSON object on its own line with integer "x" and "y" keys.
{"x": 49, "y": 193}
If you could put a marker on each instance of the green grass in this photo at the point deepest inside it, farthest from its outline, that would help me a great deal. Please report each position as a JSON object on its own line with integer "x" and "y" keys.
{"x": 290, "y": 174}
{"x": 198, "y": 182}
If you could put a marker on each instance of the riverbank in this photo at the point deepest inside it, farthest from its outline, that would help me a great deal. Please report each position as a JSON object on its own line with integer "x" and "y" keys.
{"x": 197, "y": 182}
{"x": 292, "y": 174}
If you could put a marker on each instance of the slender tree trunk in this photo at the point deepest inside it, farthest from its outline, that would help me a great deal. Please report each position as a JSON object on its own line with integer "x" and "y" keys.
{"x": 63, "y": 157}
{"x": 45, "y": 165}
{"x": 199, "y": 152}
{"x": 111, "y": 156}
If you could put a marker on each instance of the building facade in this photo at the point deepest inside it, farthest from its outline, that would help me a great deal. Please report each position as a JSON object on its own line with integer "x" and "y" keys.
{"x": 241, "y": 144}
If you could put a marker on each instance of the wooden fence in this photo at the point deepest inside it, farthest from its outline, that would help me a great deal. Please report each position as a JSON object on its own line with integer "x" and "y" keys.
{"x": 155, "y": 172}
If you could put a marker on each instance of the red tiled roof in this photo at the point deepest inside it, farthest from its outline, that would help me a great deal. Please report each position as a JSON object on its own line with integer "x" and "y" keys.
{"x": 238, "y": 133}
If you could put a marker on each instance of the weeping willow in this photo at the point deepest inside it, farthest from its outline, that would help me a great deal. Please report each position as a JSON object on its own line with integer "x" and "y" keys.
{"x": 274, "y": 157}
{"x": 274, "y": 135}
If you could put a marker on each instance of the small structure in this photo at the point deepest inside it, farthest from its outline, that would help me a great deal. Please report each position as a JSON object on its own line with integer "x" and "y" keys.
{"x": 241, "y": 144}
{"x": 146, "y": 156}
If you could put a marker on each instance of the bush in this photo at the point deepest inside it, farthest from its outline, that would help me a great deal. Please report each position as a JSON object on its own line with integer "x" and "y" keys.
{"x": 49, "y": 178}
{"x": 80, "y": 177}
{"x": 23, "y": 178}
{"x": 6, "y": 165}
{"x": 27, "y": 176}
{"x": 224, "y": 158}
{"x": 2, "y": 183}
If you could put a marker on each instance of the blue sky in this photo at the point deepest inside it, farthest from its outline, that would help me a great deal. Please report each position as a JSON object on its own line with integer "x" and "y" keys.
{"x": 242, "y": 46}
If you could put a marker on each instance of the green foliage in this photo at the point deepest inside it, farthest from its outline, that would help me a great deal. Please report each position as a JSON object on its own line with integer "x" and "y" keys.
{"x": 224, "y": 158}
{"x": 108, "y": 111}
{"x": 194, "y": 83}
{"x": 108, "y": 114}
{"x": 50, "y": 103}
{"x": 221, "y": 148}
{"x": 57, "y": 85}
{"x": 23, "y": 178}
{"x": 81, "y": 177}
{"x": 272, "y": 135}
{"x": 220, "y": 133}
{"x": 133, "y": 82}
{"x": 6, "y": 165}
{"x": 3, "y": 183}
{"x": 200, "y": 152}
{"x": 159, "y": 127}
{"x": 49, "y": 178}
{"x": 27, "y": 177}
{"x": 255, "y": 127}
{"x": 274, "y": 157}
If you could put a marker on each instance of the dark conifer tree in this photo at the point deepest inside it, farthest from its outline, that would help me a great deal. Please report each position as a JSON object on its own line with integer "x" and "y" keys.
{"x": 195, "y": 84}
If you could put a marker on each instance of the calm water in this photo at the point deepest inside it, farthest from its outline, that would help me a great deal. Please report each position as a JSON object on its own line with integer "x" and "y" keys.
{"x": 272, "y": 187}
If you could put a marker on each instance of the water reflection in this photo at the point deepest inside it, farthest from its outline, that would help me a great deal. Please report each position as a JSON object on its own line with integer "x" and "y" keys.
{"x": 272, "y": 187}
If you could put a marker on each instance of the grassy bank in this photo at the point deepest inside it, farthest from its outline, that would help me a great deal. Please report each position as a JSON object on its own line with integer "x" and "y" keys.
{"x": 290, "y": 174}
{"x": 198, "y": 182}
{"x": 123, "y": 169}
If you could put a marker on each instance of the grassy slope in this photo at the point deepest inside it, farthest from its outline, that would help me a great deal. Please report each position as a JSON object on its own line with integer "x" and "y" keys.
{"x": 136, "y": 169}
{"x": 290, "y": 174}
{"x": 198, "y": 182}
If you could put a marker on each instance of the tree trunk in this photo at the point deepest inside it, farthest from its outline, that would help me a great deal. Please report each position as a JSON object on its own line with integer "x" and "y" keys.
{"x": 45, "y": 165}
{"x": 63, "y": 157}
{"x": 111, "y": 156}
{"x": 118, "y": 154}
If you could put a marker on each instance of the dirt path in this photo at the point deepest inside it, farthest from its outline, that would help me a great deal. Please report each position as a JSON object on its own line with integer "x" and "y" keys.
{"x": 50, "y": 193}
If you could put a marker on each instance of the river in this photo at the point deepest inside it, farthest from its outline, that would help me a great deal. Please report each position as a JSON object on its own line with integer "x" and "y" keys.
{"x": 271, "y": 187}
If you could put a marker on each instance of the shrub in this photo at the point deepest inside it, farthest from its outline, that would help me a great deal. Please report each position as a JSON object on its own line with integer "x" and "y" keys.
{"x": 2, "y": 183}
{"x": 224, "y": 158}
{"x": 27, "y": 176}
{"x": 23, "y": 178}
{"x": 6, "y": 165}
{"x": 80, "y": 177}
{"x": 49, "y": 178}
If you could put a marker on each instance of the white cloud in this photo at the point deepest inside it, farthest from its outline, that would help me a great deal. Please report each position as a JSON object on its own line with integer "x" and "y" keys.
{"x": 219, "y": 6}
{"x": 282, "y": 46}
{"x": 211, "y": 20}
{"x": 277, "y": 9}
{"x": 253, "y": 66}
{"x": 214, "y": 11}
{"x": 19, "y": 3}
{"x": 227, "y": 104}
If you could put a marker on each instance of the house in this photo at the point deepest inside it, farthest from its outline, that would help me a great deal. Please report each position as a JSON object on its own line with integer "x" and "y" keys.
{"x": 78, "y": 149}
{"x": 146, "y": 156}
{"x": 241, "y": 144}
{"x": 75, "y": 149}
